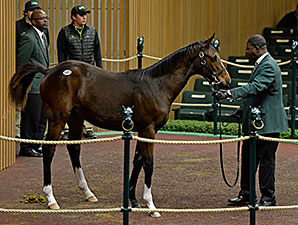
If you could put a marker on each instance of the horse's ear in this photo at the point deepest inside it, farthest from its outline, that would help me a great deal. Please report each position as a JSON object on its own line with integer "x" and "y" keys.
{"x": 206, "y": 43}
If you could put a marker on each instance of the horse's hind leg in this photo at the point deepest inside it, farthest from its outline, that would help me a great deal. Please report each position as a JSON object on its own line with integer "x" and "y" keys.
{"x": 54, "y": 131}
{"x": 75, "y": 132}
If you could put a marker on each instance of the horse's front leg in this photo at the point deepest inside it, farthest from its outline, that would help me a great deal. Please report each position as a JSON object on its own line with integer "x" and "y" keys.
{"x": 147, "y": 156}
{"x": 148, "y": 169}
{"x": 137, "y": 166}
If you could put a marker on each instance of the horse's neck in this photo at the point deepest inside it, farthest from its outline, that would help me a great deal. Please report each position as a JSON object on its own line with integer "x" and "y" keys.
{"x": 173, "y": 72}
{"x": 177, "y": 82}
{"x": 173, "y": 80}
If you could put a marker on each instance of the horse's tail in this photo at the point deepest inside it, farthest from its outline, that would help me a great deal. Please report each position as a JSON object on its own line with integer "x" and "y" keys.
{"x": 21, "y": 82}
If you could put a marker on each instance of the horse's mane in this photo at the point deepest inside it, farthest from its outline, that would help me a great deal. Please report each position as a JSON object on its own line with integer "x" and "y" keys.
{"x": 170, "y": 61}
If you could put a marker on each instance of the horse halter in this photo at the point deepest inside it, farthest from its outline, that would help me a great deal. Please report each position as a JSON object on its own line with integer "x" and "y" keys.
{"x": 214, "y": 75}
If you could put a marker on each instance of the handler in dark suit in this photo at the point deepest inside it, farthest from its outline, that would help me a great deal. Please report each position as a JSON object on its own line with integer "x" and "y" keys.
{"x": 34, "y": 48}
{"x": 264, "y": 90}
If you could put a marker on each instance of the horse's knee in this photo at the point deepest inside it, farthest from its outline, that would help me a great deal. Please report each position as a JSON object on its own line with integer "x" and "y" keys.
{"x": 138, "y": 159}
{"x": 148, "y": 169}
{"x": 148, "y": 165}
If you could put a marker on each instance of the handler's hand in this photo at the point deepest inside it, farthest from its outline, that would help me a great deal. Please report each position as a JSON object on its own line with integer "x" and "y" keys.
{"x": 221, "y": 94}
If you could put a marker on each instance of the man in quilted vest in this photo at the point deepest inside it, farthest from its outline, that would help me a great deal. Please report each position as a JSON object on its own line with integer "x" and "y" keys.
{"x": 79, "y": 41}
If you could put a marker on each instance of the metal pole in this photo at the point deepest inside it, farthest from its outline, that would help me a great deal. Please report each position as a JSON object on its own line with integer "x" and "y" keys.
{"x": 255, "y": 123}
{"x": 293, "y": 104}
{"x": 215, "y": 102}
{"x": 140, "y": 41}
{"x": 127, "y": 126}
{"x": 125, "y": 209}
{"x": 252, "y": 180}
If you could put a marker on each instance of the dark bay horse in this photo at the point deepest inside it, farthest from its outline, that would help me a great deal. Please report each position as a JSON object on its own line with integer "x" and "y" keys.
{"x": 73, "y": 91}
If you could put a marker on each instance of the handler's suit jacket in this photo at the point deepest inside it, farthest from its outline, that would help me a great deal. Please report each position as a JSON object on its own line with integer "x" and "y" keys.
{"x": 30, "y": 49}
{"x": 264, "y": 89}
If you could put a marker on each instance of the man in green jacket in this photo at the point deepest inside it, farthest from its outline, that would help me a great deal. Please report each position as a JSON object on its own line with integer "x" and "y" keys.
{"x": 264, "y": 90}
{"x": 33, "y": 47}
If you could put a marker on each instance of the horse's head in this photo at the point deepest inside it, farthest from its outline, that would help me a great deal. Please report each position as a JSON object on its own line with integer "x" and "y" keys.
{"x": 209, "y": 65}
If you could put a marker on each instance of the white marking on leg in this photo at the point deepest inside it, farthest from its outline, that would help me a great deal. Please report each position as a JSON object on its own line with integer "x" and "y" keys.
{"x": 148, "y": 197}
{"x": 82, "y": 183}
{"x": 49, "y": 194}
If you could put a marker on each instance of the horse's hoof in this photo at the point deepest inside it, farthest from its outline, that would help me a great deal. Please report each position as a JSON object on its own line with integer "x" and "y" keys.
{"x": 135, "y": 204}
{"x": 154, "y": 214}
{"x": 54, "y": 206}
{"x": 92, "y": 199}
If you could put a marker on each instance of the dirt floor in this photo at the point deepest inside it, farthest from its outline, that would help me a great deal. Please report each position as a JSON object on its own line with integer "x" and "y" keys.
{"x": 185, "y": 177}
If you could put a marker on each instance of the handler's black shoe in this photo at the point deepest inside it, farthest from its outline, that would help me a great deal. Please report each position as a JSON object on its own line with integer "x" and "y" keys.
{"x": 89, "y": 134}
{"x": 268, "y": 203}
{"x": 39, "y": 149}
{"x": 240, "y": 200}
{"x": 30, "y": 153}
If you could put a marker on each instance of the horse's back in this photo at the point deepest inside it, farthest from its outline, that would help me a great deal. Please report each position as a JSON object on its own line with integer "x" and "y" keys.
{"x": 94, "y": 92}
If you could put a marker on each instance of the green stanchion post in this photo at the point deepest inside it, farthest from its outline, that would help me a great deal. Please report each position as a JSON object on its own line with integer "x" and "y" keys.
{"x": 255, "y": 123}
{"x": 127, "y": 126}
{"x": 293, "y": 103}
{"x": 215, "y": 102}
{"x": 252, "y": 197}
{"x": 140, "y": 47}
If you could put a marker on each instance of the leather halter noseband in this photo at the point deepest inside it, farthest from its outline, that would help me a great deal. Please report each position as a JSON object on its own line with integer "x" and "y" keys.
{"x": 214, "y": 75}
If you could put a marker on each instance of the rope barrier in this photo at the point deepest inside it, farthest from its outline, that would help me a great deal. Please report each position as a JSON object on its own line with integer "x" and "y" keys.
{"x": 264, "y": 208}
{"x": 140, "y": 210}
{"x": 89, "y": 141}
{"x": 205, "y": 105}
{"x": 59, "y": 211}
{"x": 111, "y": 210}
{"x": 119, "y": 60}
{"x": 151, "y": 57}
{"x": 158, "y": 58}
{"x": 225, "y": 61}
{"x": 151, "y": 141}
{"x": 190, "y": 104}
{"x": 250, "y": 66}
{"x": 223, "y": 105}
{"x": 284, "y": 63}
{"x": 237, "y": 65}
{"x": 217, "y": 210}
{"x": 278, "y": 139}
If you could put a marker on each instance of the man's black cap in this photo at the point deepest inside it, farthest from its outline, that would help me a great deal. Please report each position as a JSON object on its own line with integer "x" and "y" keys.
{"x": 79, "y": 9}
{"x": 30, "y": 5}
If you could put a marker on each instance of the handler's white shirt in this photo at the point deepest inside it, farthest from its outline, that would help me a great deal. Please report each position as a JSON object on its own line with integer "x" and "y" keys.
{"x": 40, "y": 34}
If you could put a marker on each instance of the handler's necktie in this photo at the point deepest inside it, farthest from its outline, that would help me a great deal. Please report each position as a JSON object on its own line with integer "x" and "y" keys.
{"x": 45, "y": 43}
{"x": 255, "y": 66}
